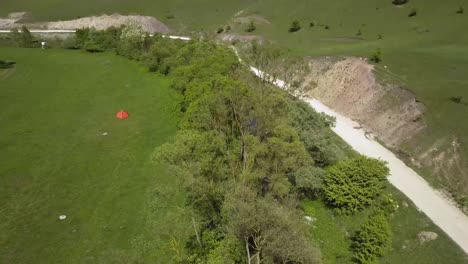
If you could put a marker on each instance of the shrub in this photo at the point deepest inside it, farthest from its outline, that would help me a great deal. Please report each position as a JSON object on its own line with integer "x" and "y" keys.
{"x": 400, "y": 2}
{"x": 220, "y": 30}
{"x": 371, "y": 240}
{"x": 309, "y": 180}
{"x": 22, "y": 38}
{"x": 351, "y": 185}
{"x": 460, "y": 10}
{"x": 312, "y": 24}
{"x": 456, "y": 99}
{"x": 379, "y": 36}
{"x": 295, "y": 26}
{"x": 413, "y": 13}
{"x": 6, "y": 64}
{"x": 71, "y": 43}
{"x": 359, "y": 33}
{"x": 376, "y": 56}
{"x": 228, "y": 28}
{"x": 250, "y": 27}
{"x": 170, "y": 16}
{"x": 327, "y": 27}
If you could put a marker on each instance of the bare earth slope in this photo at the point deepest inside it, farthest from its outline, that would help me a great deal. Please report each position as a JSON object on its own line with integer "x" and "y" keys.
{"x": 389, "y": 112}
{"x": 149, "y": 24}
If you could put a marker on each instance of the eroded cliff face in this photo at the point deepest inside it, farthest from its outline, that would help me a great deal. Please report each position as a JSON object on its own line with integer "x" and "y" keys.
{"x": 389, "y": 112}
{"x": 350, "y": 87}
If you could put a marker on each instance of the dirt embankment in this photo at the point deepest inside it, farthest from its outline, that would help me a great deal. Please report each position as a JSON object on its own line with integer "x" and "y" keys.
{"x": 389, "y": 112}
{"x": 350, "y": 87}
{"x": 149, "y": 24}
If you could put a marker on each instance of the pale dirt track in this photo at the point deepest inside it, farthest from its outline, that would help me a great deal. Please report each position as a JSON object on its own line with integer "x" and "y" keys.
{"x": 439, "y": 209}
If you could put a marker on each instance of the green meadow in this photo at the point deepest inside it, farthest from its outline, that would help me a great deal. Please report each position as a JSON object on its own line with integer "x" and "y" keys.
{"x": 63, "y": 152}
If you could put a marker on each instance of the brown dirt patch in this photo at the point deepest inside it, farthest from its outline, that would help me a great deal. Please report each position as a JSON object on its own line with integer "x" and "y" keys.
{"x": 349, "y": 86}
{"x": 149, "y": 24}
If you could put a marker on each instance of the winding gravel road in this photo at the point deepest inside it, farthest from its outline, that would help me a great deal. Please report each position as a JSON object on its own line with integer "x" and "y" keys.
{"x": 430, "y": 201}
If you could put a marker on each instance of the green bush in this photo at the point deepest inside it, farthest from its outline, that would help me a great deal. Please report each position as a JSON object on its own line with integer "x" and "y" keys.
{"x": 250, "y": 27}
{"x": 6, "y": 64}
{"x": 460, "y": 10}
{"x": 295, "y": 26}
{"x": 372, "y": 239}
{"x": 354, "y": 184}
{"x": 376, "y": 56}
{"x": 309, "y": 180}
{"x": 413, "y": 13}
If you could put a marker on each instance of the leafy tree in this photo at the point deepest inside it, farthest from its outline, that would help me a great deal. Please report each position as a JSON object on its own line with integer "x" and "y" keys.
{"x": 22, "y": 38}
{"x": 372, "y": 239}
{"x": 309, "y": 180}
{"x": 270, "y": 232}
{"x": 351, "y": 185}
{"x": 251, "y": 27}
{"x": 132, "y": 41}
{"x": 295, "y": 26}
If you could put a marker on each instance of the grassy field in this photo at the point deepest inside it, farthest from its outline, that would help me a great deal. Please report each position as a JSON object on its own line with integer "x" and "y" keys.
{"x": 425, "y": 53}
{"x": 332, "y": 233}
{"x": 55, "y": 106}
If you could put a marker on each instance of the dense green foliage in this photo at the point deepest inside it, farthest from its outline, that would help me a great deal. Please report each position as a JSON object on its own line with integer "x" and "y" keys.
{"x": 239, "y": 157}
{"x": 372, "y": 239}
{"x": 351, "y": 185}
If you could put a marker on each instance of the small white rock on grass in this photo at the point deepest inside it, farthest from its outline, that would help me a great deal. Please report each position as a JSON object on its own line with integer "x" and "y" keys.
{"x": 62, "y": 217}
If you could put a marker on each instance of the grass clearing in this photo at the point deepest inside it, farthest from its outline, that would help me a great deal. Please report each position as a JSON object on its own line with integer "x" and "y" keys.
{"x": 55, "y": 106}
{"x": 332, "y": 232}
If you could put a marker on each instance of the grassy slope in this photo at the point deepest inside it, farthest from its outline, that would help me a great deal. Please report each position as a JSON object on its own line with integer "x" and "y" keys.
{"x": 54, "y": 107}
{"x": 332, "y": 233}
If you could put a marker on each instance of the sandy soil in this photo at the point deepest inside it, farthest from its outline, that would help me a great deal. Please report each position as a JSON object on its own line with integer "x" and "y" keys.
{"x": 149, "y": 24}
{"x": 349, "y": 86}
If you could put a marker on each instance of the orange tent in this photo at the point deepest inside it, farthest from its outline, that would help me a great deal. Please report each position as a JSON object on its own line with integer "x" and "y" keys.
{"x": 122, "y": 114}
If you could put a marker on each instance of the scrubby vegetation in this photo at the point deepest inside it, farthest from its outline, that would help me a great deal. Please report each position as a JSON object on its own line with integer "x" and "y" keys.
{"x": 372, "y": 239}
{"x": 250, "y": 27}
{"x": 249, "y": 154}
{"x": 295, "y": 26}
